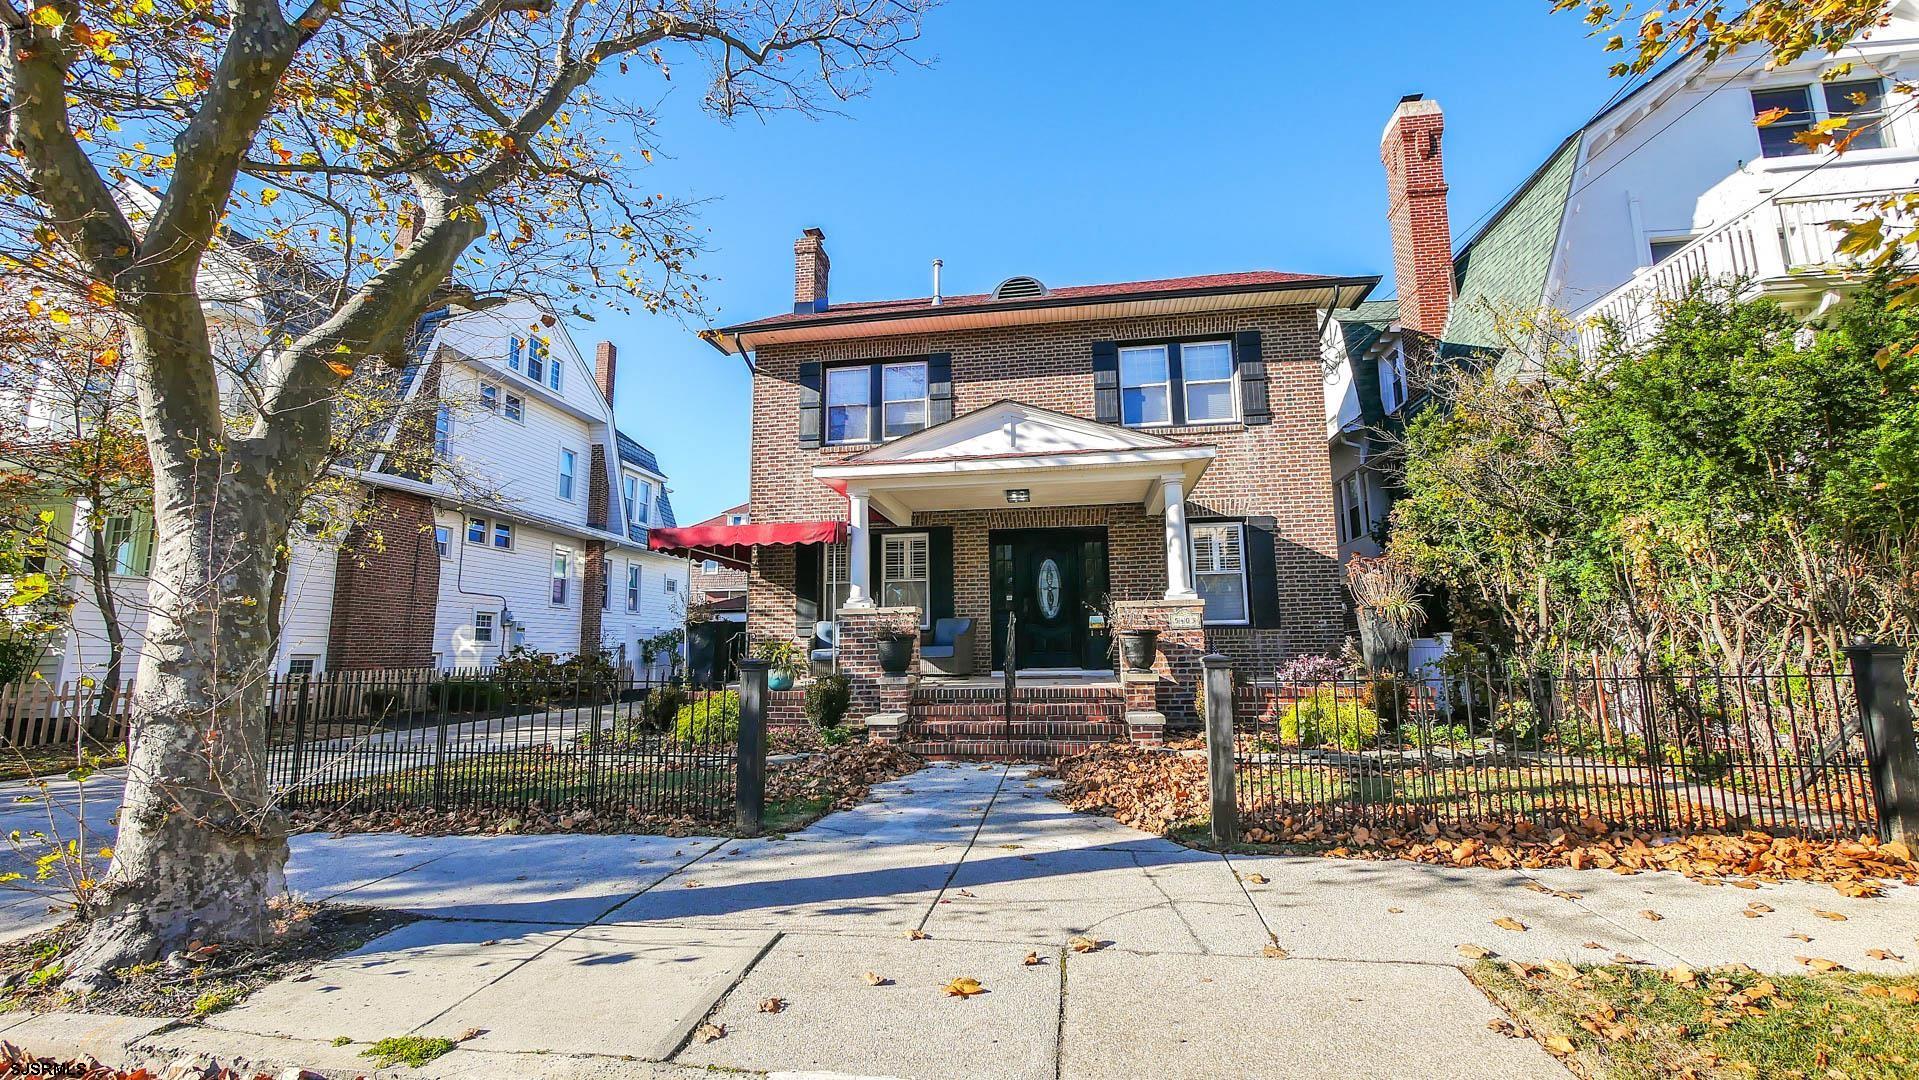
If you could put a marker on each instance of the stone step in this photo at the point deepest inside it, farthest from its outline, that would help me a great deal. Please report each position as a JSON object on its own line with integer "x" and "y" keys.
{"x": 1000, "y": 749}
{"x": 1064, "y": 711}
{"x": 996, "y": 728}
{"x": 1025, "y": 695}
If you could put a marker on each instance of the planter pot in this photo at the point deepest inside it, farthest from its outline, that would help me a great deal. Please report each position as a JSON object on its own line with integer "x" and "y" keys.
{"x": 1137, "y": 648}
{"x": 896, "y": 653}
{"x": 779, "y": 680}
{"x": 1384, "y": 647}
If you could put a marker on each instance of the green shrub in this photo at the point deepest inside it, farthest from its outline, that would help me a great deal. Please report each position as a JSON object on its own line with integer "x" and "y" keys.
{"x": 1323, "y": 718}
{"x": 709, "y": 718}
{"x": 837, "y": 736}
{"x": 827, "y": 698}
{"x": 663, "y": 707}
{"x": 467, "y": 695}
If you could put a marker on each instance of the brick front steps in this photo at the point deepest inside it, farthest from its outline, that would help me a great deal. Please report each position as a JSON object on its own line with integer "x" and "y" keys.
{"x": 1049, "y": 722}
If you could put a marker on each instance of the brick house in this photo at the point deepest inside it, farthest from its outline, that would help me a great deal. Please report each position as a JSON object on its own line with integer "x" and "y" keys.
{"x": 1082, "y": 459}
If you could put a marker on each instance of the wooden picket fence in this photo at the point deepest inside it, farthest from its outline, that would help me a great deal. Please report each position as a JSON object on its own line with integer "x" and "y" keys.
{"x": 36, "y": 714}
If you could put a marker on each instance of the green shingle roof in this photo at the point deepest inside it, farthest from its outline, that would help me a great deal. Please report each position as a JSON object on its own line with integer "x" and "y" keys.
{"x": 1503, "y": 268}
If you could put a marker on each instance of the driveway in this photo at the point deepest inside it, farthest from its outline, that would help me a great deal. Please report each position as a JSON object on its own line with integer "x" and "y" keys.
{"x": 601, "y": 955}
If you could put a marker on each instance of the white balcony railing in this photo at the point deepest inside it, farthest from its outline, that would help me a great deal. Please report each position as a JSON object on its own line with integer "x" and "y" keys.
{"x": 1768, "y": 246}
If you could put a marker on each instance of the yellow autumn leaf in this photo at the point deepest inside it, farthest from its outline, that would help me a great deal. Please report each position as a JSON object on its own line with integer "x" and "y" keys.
{"x": 1770, "y": 117}
{"x": 60, "y": 317}
{"x": 1507, "y": 922}
{"x": 47, "y": 15}
{"x": 964, "y": 988}
{"x": 100, "y": 293}
{"x": 268, "y": 195}
{"x": 1559, "y": 1045}
{"x": 344, "y": 371}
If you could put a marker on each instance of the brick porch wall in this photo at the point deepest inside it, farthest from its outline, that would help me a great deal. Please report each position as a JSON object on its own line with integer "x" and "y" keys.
{"x": 1182, "y": 641}
{"x": 860, "y": 631}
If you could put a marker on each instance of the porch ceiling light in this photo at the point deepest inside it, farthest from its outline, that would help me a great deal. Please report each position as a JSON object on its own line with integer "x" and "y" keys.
{"x": 1019, "y": 495}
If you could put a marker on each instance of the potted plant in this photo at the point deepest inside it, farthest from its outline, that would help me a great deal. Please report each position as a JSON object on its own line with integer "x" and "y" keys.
{"x": 896, "y": 651}
{"x": 1390, "y": 608}
{"x": 783, "y": 660}
{"x": 1138, "y": 647}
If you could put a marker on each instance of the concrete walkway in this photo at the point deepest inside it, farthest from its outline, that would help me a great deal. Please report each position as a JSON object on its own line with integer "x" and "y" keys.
{"x": 564, "y": 956}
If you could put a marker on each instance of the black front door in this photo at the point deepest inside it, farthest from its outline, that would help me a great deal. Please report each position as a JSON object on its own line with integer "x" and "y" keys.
{"x": 1053, "y": 583}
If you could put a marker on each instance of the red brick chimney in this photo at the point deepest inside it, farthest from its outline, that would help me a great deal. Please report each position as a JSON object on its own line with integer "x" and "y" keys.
{"x": 1416, "y": 211}
{"x": 810, "y": 267}
{"x": 606, "y": 361}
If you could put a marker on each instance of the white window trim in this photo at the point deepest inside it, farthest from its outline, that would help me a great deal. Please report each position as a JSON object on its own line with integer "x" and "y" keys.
{"x": 493, "y": 625}
{"x": 560, "y": 569}
{"x": 444, "y": 547}
{"x": 490, "y": 396}
{"x": 889, "y": 540}
{"x": 493, "y": 536}
{"x": 637, "y": 501}
{"x": 826, "y": 405}
{"x": 566, "y": 484}
{"x": 1166, "y": 360}
{"x": 925, "y": 399}
{"x": 1821, "y": 109}
{"x": 1393, "y": 364}
{"x": 486, "y": 531}
{"x": 1185, "y": 400}
{"x": 513, "y": 407}
{"x": 634, "y": 578}
{"x": 312, "y": 661}
{"x": 1245, "y": 583}
{"x": 443, "y": 431}
{"x": 1351, "y": 489}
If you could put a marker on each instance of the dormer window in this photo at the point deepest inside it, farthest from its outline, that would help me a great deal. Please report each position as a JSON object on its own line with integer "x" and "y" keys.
{"x": 1392, "y": 379}
{"x": 637, "y": 495}
{"x": 1795, "y": 110}
{"x": 532, "y": 356}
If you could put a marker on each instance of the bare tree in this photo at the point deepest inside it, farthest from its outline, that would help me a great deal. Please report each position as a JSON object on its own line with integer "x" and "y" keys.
{"x": 366, "y": 151}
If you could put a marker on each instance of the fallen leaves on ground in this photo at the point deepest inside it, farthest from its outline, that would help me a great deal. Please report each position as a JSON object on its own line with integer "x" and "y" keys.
{"x": 15, "y": 1061}
{"x": 1820, "y": 964}
{"x": 1651, "y": 916}
{"x": 1257, "y": 879}
{"x": 1160, "y": 790}
{"x": 1832, "y": 915}
{"x": 1475, "y": 952}
{"x": 1083, "y": 944}
{"x": 964, "y": 988}
{"x": 840, "y": 777}
{"x": 1883, "y": 954}
{"x": 917, "y": 935}
{"x": 874, "y": 978}
{"x": 1507, "y": 922}
{"x": 709, "y": 1032}
{"x": 773, "y": 1005}
{"x": 1032, "y": 959}
{"x": 1274, "y": 952}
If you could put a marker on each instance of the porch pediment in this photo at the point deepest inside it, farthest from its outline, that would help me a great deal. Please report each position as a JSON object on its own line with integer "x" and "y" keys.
{"x": 1010, "y": 428}
{"x": 981, "y": 459}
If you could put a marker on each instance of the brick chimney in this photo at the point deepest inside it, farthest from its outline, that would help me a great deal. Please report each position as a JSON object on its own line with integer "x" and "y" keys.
{"x": 1416, "y": 211}
{"x": 810, "y": 267}
{"x": 606, "y": 362}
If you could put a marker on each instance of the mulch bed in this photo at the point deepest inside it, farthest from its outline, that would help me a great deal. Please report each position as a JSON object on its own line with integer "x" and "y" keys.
{"x": 1163, "y": 792}
{"x": 797, "y": 793}
{"x": 200, "y": 981}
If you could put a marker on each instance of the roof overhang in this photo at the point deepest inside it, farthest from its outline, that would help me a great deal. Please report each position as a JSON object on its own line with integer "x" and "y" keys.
{"x": 1320, "y": 293}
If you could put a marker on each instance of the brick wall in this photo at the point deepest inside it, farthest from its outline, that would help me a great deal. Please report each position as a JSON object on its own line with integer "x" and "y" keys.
{"x": 1181, "y": 644}
{"x": 1416, "y": 214}
{"x": 1281, "y": 469}
{"x": 386, "y": 587}
{"x": 593, "y": 585}
{"x": 859, "y": 657}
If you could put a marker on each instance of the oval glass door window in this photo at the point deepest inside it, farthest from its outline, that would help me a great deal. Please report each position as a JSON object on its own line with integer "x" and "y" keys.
{"x": 1048, "y": 586}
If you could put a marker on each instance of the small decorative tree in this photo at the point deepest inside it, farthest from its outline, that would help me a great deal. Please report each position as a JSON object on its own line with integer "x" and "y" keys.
{"x": 1390, "y": 609}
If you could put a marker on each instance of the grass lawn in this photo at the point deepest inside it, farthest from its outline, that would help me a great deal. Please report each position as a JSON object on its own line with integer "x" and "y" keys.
{"x": 1620, "y": 1021}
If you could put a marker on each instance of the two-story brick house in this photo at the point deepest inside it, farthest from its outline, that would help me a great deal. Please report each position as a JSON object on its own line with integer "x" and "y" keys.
{"x": 1050, "y": 454}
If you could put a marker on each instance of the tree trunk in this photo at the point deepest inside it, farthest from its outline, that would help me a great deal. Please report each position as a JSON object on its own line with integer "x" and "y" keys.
{"x": 99, "y": 726}
{"x": 202, "y": 848}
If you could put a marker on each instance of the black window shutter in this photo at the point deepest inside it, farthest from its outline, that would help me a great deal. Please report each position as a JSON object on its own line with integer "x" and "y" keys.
{"x": 1262, "y": 575}
{"x": 939, "y": 567}
{"x": 939, "y": 388}
{"x": 1106, "y": 382}
{"x": 1175, "y": 384}
{"x": 1250, "y": 365}
{"x": 810, "y": 404}
{"x": 806, "y": 588}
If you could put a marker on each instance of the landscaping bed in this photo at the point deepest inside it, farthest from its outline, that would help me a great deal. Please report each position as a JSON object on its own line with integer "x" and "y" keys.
{"x": 1626, "y": 1021}
{"x": 1167, "y": 793}
{"x": 797, "y": 793}
{"x": 199, "y": 982}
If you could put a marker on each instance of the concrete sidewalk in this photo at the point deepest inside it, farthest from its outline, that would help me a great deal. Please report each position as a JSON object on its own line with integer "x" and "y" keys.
{"x": 561, "y": 956}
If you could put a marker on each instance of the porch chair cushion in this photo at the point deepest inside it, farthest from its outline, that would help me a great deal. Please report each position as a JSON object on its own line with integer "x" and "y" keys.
{"x": 826, "y": 637}
{"x": 950, "y": 650}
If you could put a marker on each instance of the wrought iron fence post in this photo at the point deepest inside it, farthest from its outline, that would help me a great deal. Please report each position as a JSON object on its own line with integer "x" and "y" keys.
{"x": 749, "y": 792}
{"x": 1885, "y": 715}
{"x": 1217, "y": 685}
{"x": 299, "y": 741}
{"x": 439, "y": 742}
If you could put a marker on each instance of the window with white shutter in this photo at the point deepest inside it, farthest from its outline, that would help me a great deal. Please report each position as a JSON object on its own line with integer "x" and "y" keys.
{"x": 903, "y": 573}
{"x": 1219, "y": 570}
{"x": 838, "y": 580}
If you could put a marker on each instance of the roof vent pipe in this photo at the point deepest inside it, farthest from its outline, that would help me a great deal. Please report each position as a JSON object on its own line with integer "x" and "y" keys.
{"x": 937, "y": 298}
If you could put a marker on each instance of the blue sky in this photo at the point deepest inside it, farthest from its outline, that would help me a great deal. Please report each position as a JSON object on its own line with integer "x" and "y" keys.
{"x": 1085, "y": 142}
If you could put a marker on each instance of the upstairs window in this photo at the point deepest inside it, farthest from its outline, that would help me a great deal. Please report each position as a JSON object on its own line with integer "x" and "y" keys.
{"x": 503, "y": 536}
{"x": 875, "y": 402}
{"x": 1392, "y": 379}
{"x": 489, "y": 397}
{"x": 476, "y": 530}
{"x": 632, "y": 586}
{"x": 569, "y": 472}
{"x": 515, "y": 409}
{"x": 1799, "y": 109}
{"x": 443, "y": 541}
{"x": 533, "y": 356}
{"x": 637, "y": 494}
{"x": 129, "y": 543}
{"x": 710, "y": 566}
{"x": 443, "y": 431}
{"x": 1355, "y": 512}
{"x": 606, "y": 583}
{"x": 1177, "y": 383}
{"x": 1219, "y": 571}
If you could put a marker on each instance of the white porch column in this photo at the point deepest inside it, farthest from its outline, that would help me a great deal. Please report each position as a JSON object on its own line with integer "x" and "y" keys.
{"x": 1179, "y": 571}
{"x": 859, "y": 560}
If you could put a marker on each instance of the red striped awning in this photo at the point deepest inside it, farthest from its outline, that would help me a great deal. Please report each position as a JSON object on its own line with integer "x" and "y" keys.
{"x": 732, "y": 545}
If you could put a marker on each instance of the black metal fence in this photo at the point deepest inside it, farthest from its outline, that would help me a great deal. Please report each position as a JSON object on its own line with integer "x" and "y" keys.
{"x": 612, "y": 745}
{"x": 1599, "y": 745}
